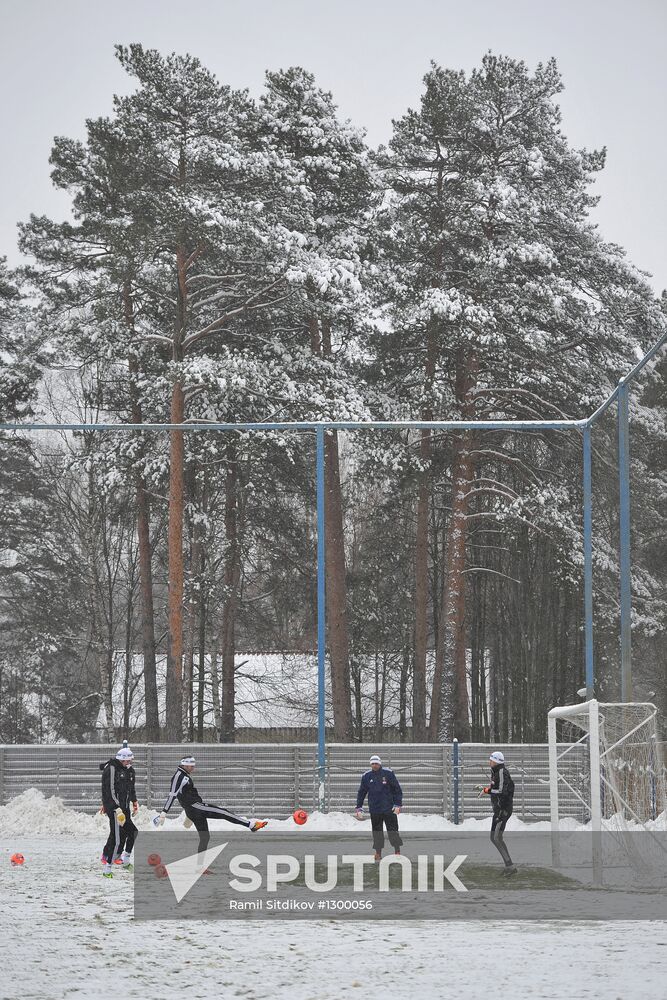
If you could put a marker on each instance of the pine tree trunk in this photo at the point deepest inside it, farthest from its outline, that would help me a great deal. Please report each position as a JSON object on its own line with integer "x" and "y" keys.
{"x": 421, "y": 596}
{"x": 337, "y": 624}
{"x": 215, "y": 688}
{"x": 152, "y": 732}
{"x": 201, "y": 672}
{"x": 175, "y": 550}
{"x": 337, "y": 627}
{"x": 451, "y": 646}
{"x": 152, "y": 726}
{"x": 421, "y": 557}
{"x": 189, "y": 658}
{"x": 232, "y": 577}
{"x": 177, "y": 507}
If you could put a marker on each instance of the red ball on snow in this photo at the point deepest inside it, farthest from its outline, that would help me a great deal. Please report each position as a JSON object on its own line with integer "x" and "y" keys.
{"x": 160, "y": 871}
{"x": 17, "y": 859}
{"x": 153, "y": 860}
{"x": 300, "y": 816}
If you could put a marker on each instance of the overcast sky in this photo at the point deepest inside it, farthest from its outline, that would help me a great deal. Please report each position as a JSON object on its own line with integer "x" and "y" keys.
{"x": 57, "y": 67}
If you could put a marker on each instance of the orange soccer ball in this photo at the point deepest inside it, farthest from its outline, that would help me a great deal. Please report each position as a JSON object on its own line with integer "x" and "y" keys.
{"x": 17, "y": 859}
{"x": 300, "y": 816}
{"x": 154, "y": 860}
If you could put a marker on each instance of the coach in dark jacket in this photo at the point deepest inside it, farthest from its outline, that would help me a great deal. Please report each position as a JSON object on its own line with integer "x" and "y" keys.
{"x": 385, "y": 799}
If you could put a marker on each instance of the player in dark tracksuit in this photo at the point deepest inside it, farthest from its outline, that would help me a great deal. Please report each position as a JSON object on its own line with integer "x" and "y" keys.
{"x": 118, "y": 798}
{"x": 385, "y": 799}
{"x": 198, "y": 812}
{"x": 501, "y": 792}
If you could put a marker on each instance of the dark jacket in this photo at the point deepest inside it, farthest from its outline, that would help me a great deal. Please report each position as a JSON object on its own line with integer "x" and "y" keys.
{"x": 118, "y": 786}
{"x": 382, "y": 788}
{"x": 502, "y": 789}
{"x": 182, "y": 788}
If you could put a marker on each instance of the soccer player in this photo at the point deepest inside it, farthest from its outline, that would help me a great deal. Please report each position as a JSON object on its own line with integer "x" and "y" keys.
{"x": 501, "y": 791}
{"x": 385, "y": 799}
{"x": 118, "y": 794}
{"x": 199, "y": 812}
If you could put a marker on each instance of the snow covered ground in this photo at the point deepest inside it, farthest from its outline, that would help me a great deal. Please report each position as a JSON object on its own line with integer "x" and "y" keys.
{"x": 66, "y": 932}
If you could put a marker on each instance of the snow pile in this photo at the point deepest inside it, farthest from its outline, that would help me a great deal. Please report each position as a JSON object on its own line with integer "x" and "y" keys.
{"x": 32, "y": 812}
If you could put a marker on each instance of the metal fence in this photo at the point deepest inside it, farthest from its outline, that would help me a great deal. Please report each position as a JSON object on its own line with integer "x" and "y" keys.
{"x": 272, "y": 780}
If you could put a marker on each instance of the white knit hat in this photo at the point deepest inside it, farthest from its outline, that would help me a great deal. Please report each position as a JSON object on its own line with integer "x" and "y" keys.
{"x": 498, "y": 756}
{"x": 124, "y": 754}
{"x": 188, "y": 761}
{"x": 375, "y": 759}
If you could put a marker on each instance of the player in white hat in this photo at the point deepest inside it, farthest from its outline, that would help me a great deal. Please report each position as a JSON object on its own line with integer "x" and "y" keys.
{"x": 501, "y": 791}
{"x": 118, "y": 797}
{"x": 199, "y": 812}
{"x": 385, "y": 799}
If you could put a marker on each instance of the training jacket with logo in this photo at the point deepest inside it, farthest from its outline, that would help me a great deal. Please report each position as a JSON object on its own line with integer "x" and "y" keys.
{"x": 382, "y": 788}
{"x": 118, "y": 786}
{"x": 182, "y": 788}
{"x": 502, "y": 788}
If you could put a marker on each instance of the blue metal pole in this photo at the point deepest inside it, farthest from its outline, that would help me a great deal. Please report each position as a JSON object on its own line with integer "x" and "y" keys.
{"x": 321, "y": 626}
{"x": 588, "y": 563}
{"x": 626, "y": 577}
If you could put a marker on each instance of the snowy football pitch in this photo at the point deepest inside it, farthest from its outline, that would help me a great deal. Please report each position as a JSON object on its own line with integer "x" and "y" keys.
{"x": 67, "y": 932}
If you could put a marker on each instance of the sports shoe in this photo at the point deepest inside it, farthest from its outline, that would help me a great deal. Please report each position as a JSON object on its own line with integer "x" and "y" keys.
{"x": 257, "y": 824}
{"x": 128, "y": 867}
{"x": 510, "y": 870}
{"x": 117, "y": 861}
{"x": 107, "y": 871}
{"x": 377, "y": 856}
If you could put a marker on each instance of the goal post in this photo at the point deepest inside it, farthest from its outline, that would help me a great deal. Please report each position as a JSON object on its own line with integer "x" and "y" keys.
{"x": 619, "y": 780}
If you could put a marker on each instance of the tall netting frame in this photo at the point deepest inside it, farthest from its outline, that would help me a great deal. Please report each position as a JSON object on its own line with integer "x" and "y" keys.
{"x": 320, "y": 429}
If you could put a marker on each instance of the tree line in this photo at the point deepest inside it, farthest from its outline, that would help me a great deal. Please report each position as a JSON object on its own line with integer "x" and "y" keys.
{"x": 252, "y": 260}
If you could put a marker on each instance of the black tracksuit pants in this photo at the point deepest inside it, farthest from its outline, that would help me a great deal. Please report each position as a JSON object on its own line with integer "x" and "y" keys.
{"x": 121, "y": 838}
{"x": 498, "y": 824}
{"x": 201, "y": 812}
{"x": 390, "y": 820}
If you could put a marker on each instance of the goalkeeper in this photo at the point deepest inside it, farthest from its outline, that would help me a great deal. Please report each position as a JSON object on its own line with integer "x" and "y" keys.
{"x": 501, "y": 791}
{"x": 118, "y": 796}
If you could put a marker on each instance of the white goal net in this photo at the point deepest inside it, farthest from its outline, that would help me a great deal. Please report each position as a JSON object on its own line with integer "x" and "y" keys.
{"x": 624, "y": 783}
{"x": 620, "y": 779}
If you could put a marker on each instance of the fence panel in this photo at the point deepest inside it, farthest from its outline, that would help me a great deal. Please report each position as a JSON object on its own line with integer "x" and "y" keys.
{"x": 273, "y": 779}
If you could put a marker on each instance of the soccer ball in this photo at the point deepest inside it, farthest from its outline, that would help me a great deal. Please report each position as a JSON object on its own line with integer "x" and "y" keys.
{"x": 154, "y": 860}
{"x": 300, "y": 816}
{"x": 17, "y": 859}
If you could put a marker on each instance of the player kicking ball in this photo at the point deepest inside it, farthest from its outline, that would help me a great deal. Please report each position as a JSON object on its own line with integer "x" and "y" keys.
{"x": 197, "y": 811}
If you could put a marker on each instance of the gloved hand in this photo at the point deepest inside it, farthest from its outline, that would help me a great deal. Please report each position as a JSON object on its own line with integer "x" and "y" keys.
{"x": 486, "y": 790}
{"x": 135, "y": 808}
{"x": 120, "y": 816}
{"x": 358, "y": 814}
{"x": 396, "y": 809}
{"x": 159, "y": 820}
{"x": 187, "y": 822}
